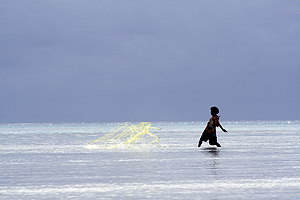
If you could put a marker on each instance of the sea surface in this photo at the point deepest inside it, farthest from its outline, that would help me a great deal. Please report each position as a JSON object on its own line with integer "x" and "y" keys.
{"x": 258, "y": 160}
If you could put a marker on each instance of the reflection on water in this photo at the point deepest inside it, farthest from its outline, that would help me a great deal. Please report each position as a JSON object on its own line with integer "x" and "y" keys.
{"x": 213, "y": 163}
{"x": 212, "y": 151}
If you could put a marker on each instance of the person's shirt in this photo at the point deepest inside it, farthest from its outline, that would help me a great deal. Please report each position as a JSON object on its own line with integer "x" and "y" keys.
{"x": 213, "y": 122}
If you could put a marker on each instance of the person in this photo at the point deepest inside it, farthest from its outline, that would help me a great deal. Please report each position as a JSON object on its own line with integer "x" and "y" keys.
{"x": 210, "y": 132}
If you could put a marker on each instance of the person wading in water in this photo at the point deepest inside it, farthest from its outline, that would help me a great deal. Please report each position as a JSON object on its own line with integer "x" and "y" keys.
{"x": 210, "y": 132}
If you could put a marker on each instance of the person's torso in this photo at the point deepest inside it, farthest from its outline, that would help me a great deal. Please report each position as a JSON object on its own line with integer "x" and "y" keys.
{"x": 213, "y": 122}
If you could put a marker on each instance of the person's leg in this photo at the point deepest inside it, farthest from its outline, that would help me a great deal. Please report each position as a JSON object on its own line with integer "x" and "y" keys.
{"x": 214, "y": 141}
{"x": 204, "y": 137}
{"x": 200, "y": 142}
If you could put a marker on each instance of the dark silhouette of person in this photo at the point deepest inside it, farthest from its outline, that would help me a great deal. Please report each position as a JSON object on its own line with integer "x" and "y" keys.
{"x": 210, "y": 132}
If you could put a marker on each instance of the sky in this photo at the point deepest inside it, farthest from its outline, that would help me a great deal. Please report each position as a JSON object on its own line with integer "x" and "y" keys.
{"x": 148, "y": 60}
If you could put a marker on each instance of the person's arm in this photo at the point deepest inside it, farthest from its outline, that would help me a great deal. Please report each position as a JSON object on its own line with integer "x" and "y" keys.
{"x": 222, "y": 128}
{"x": 219, "y": 125}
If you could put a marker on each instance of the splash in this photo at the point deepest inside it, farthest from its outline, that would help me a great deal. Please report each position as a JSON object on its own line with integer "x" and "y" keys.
{"x": 129, "y": 135}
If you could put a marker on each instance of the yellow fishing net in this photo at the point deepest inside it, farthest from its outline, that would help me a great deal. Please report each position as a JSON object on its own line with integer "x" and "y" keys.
{"x": 129, "y": 135}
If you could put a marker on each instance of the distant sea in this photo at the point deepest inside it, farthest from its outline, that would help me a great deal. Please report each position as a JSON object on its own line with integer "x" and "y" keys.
{"x": 258, "y": 160}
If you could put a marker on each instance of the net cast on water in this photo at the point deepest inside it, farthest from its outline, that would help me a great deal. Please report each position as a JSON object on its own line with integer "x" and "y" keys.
{"x": 129, "y": 135}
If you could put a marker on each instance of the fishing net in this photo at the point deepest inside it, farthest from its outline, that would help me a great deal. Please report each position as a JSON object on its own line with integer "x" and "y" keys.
{"x": 129, "y": 135}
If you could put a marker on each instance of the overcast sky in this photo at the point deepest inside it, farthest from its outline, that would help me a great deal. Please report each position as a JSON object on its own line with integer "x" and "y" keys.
{"x": 148, "y": 60}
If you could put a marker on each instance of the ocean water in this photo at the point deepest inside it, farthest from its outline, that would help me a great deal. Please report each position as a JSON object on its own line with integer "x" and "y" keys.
{"x": 257, "y": 160}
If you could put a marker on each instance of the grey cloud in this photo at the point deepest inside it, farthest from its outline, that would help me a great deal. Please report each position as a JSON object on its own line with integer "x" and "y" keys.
{"x": 148, "y": 60}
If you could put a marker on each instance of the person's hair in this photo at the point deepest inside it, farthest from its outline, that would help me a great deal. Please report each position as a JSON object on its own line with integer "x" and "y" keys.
{"x": 214, "y": 110}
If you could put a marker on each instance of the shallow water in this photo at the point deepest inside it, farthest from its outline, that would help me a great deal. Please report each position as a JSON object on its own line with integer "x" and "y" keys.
{"x": 257, "y": 160}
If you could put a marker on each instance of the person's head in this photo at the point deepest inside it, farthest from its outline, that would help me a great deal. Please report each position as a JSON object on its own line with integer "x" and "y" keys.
{"x": 214, "y": 110}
